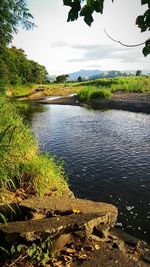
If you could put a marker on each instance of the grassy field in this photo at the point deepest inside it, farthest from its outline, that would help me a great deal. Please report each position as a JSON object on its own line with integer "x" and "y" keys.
{"x": 129, "y": 84}
{"x": 105, "y": 86}
{"x": 42, "y": 90}
{"x": 21, "y": 165}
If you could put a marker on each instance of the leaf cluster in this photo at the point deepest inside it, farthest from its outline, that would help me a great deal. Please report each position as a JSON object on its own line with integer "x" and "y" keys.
{"x": 143, "y": 22}
{"x": 16, "y": 68}
{"x": 34, "y": 253}
{"x": 84, "y": 9}
{"x": 13, "y": 13}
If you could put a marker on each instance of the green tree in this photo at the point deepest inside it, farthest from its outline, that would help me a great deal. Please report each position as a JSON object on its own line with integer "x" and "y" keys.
{"x": 38, "y": 73}
{"x": 79, "y": 79}
{"x": 86, "y": 8}
{"x": 13, "y": 14}
{"x": 16, "y": 68}
{"x": 138, "y": 73}
{"x": 62, "y": 78}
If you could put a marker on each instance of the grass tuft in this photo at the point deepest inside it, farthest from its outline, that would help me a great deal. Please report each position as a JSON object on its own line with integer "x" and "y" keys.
{"x": 89, "y": 93}
{"x": 45, "y": 175}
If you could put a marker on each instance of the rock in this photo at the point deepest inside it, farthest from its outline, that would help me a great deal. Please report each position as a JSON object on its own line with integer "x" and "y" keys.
{"x": 51, "y": 205}
{"x": 119, "y": 244}
{"x": 128, "y": 239}
{"x": 61, "y": 241}
{"x": 62, "y": 218}
{"x": 146, "y": 256}
{"x": 54, "y": 226}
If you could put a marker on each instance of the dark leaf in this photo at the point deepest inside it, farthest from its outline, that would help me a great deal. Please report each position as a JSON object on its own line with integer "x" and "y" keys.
{"x": 143, "y": 28}
{"x": 146, "y": 49}
{"x": 98, "y": 6}
{"x": 67, "y": 2}
{"x": 140, "y": 21}
{"x": 88, "y": 19}
{"x": 85, "y": 11}
{"x": 72, "y": 15}
{"x": 76, "y": 5}
{"x": 143, "y": 2}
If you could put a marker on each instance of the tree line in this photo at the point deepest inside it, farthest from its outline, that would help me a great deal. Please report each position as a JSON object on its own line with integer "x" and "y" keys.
{"x": 16, "y": 68}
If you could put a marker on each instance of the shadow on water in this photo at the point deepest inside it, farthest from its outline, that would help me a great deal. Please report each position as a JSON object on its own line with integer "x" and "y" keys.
{"x": 27, "y": 109}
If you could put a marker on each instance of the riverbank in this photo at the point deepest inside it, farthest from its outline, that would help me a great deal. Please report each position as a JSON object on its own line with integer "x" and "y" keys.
{"x": 135, "y": 102}
{"x": 21, "y": 164}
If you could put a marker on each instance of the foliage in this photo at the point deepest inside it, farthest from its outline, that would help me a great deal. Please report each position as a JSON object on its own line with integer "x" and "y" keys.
{"x": 15, "y": 68}
{"x": 79, "y": 79}
{"x": 62, "y": 78}
{"x": 34, "y": 253}
{"x": 13, "y": 14}
{"x": 143, "y": 22}
{"x": 90, "y": 93}
{"x": 86, "y": 8}
{"x": 138, "y": 73}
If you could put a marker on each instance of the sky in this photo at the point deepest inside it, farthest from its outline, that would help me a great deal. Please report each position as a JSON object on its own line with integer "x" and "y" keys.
{"x": 64, "y": 47}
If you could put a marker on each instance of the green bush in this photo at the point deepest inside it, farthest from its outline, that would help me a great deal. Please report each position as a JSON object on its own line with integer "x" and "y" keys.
{"x": 90, "y": 93}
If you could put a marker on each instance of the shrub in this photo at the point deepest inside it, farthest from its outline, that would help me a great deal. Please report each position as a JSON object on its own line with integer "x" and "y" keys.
{"x": 89, "y": 93}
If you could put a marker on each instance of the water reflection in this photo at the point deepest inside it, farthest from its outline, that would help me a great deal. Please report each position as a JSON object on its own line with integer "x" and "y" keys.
{"x": 27, "y": 109}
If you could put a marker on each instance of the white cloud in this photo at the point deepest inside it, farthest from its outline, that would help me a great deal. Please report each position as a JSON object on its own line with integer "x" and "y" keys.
{"x": 66, "y": 47}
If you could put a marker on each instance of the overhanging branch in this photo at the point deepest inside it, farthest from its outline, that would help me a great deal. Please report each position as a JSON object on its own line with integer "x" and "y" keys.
{"x": 119, "y": 42}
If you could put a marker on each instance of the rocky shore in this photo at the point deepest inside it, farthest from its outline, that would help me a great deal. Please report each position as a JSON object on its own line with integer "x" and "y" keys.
{"x": 75, "y": 232}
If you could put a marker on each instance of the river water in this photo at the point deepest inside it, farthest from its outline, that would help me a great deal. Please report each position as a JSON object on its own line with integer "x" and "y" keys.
{"x": 106, "y": 155}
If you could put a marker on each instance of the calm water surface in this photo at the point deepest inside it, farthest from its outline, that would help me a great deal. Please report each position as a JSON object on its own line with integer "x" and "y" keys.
{"x": 107, "y": 157}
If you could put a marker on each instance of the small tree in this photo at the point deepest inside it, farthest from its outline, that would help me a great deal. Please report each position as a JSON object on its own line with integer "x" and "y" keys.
{"x": 62, "y": 78}
{"x": 79, "y": 79}
{"x": 138, "y": 73}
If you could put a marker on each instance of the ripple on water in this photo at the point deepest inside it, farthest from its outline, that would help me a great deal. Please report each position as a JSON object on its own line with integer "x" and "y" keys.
{"x": 107, "y": 156}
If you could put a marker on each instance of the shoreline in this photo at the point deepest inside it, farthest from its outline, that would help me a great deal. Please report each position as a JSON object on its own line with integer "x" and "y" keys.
{"x": 129, "y": 102}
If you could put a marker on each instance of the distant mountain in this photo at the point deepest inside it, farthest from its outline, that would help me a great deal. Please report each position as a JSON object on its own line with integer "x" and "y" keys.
{"x": 84, "y": 74}
{"x": 95, "y": 74}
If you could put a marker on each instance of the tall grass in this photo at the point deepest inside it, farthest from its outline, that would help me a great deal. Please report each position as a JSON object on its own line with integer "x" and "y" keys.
{"x": 131, "y": 84}
{"x": 20, "y": 162}
{"x": 90, "y": 93}
{"x": 16, "y": 144}
{"x": 104, "y": 88}
{"x": 45, "y": 175}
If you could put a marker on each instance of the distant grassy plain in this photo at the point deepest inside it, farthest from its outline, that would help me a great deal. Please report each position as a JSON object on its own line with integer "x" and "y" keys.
{"x": 99, "y": 88}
